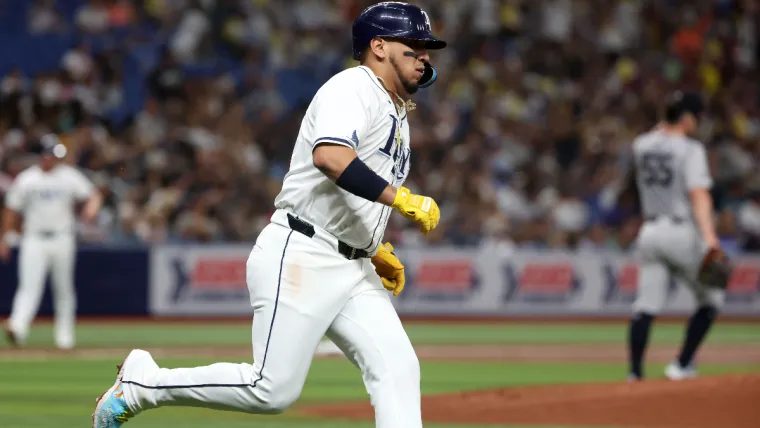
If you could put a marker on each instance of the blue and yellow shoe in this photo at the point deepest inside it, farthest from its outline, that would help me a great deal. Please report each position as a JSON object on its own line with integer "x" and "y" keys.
{"x": 111, "y": 410}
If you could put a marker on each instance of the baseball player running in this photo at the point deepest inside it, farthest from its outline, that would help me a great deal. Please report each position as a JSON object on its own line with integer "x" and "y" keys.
{"x": 319, "y": 266}
{"x": 44, "y": 195}
{"x": 673, "y": 182}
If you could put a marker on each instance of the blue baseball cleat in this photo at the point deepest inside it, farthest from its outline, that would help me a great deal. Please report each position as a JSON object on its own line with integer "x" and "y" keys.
{"x": 111, "y": 410}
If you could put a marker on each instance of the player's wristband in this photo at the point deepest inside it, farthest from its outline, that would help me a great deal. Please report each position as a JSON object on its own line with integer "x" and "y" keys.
{"x": 361, "y": 181}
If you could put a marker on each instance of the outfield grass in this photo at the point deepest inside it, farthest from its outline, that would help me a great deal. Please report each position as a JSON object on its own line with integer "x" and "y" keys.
{"x": 61, "y": 392}
{"x": 238, "y": 334}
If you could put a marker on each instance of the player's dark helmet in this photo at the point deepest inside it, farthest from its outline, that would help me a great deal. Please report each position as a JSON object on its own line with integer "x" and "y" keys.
{"x": 50, "y": 144}
{"x": 400, "y": 21}
{"x": 680, "y": 103}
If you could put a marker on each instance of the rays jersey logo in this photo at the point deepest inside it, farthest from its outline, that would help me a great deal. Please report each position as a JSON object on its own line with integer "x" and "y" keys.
{"x": 47, "y": 194}
{"x": 400, "y": 159}
{"x": 398, "y": 152}
{"x": 401, "y": 167}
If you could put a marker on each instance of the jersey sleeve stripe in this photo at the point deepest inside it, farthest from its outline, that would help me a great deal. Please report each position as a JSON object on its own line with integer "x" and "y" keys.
{"x": 342, "y": 141}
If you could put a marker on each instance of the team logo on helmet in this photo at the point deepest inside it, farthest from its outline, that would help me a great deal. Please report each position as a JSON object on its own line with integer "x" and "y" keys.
{"x": 424, "y": 26}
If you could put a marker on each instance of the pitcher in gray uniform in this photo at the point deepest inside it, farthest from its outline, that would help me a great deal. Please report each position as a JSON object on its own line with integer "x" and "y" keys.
{"x": 673, "y": 182}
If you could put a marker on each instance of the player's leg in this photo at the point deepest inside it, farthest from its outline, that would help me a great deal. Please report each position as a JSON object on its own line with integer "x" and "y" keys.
{"x": 709, "y": 302}
{"x": 33, "y": 263}
{"x": 297, "y": 289}
{"x": 62, "y": 260}
{"x": 369, "y": 332}
{"x": 687, "y": 253}
{"x": 696, "y": 331}
{"x": 650, "y": 298}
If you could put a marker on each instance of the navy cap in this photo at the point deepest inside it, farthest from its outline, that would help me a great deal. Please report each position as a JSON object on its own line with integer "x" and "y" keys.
{"x": 680, "y": 103}
{"x": 50, "y": 144}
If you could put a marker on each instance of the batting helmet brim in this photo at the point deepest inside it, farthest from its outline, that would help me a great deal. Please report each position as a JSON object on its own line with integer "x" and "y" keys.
{"x": 431, "y": 42}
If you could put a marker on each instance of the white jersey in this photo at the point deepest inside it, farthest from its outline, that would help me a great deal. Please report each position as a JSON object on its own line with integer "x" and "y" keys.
{"x": 668, "y": 167}
{"x": 352, "y": 109}
{"x": 46, "y": 199}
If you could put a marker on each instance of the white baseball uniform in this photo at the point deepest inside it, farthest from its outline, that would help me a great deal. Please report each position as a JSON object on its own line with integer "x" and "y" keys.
{"x": 668, "y": 167}
{"x": 46, "y": 201}
{"x": 302, "y": 282}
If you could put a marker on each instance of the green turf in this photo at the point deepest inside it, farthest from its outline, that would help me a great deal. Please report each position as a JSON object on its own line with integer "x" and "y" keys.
{"x": 234, "y": 334}
{"x": 61, "y": 392}
{"x": 33, "y": 394}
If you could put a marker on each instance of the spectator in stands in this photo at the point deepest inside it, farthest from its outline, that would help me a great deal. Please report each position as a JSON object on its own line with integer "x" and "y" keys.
{"x": 192, "y": 32}
{"x": 44, "y": 18}
{"x": 596, "y": 239}
{"x": 14, "y": 99}
{"x": 93, "y": 17}
{"x": 121, "y": 13}
{"x": 749, "y": 219}
{"x": 78, "y": 62}
{"x": 167, "y": 81}
{"x": 728, "y": 235}
{"x": 570, "y": 215}
{"x": 190, "y": 109}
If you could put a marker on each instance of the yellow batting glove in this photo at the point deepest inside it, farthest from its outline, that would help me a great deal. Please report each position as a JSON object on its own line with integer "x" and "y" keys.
{"x": 418, "y": 208}
{"x": 390, "y": 269}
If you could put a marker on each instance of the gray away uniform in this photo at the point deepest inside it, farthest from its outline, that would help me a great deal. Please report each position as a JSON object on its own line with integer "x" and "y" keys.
{"x": 667, "y": 168}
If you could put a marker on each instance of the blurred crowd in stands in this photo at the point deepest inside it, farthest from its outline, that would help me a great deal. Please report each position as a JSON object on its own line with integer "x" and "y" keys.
{"x": 523, "y": 140}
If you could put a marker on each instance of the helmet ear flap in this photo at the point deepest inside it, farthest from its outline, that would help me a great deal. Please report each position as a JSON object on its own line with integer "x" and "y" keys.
{"x": 428, "y": 76}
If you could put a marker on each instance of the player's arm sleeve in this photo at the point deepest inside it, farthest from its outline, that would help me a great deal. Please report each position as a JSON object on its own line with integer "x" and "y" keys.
{"x": 341, "y": 117}
{"x": 696, "y": 169}
{"x": 83, "y": 187}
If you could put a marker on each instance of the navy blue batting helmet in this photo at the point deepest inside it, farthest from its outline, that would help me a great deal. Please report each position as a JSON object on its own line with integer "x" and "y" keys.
{"x": 400, "y": 21}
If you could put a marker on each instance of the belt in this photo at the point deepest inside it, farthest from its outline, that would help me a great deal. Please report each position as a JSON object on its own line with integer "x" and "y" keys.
{"x": 307, "y": 229}
{"x": 674, "y": 219}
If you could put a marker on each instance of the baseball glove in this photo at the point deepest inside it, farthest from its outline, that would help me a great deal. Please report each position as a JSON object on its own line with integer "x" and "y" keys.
{"x": 716, "y": 269}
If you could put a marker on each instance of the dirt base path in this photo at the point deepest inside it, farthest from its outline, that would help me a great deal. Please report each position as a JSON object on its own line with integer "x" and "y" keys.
{"x": 709, "y": 402}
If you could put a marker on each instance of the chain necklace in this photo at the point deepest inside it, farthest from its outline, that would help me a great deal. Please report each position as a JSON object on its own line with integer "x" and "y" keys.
{"x": 400, "y": 104}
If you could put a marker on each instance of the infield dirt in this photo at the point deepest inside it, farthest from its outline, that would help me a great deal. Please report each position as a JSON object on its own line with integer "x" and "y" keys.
{"x": 730, "y": 401}
{"x": 709, "y": 402}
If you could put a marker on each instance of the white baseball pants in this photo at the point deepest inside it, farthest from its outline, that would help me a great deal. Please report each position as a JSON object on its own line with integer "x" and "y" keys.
{"x": 670, "y": 248}
{"x": 300, "y": 289}
{"x": 37, "y": 256}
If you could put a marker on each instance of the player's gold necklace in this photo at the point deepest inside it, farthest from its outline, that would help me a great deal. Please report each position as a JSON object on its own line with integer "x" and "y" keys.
{"x": 399, "y": 102}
